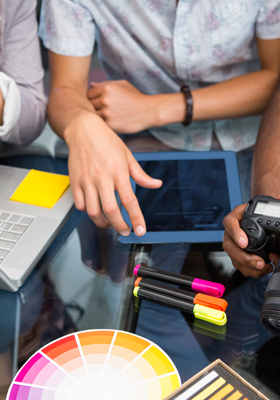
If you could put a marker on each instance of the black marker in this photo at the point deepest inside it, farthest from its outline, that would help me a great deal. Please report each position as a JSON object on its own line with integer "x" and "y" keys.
{"x": 205, "y": 313}
{"x": 195, "y": 298}
{"x": 198, "y": 285}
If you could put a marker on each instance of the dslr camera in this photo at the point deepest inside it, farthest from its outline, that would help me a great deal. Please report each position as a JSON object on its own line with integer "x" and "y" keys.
{"x": 261, "y": 223}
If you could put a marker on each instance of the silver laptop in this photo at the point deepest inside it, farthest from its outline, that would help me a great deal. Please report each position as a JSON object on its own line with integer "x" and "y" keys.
{"x": 26, "y": 231}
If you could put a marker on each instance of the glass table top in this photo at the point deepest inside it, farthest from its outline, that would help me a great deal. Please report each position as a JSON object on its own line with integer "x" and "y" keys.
{"x": 85, "y": 281}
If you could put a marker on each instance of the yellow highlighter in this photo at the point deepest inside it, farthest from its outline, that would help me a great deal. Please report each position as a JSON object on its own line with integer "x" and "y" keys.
{"x": 210, "y": 315}
{"x": 201, "y": 312}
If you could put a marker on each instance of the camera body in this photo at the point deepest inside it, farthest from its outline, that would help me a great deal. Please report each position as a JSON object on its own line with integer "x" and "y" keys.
{"x": 261, "y": 223}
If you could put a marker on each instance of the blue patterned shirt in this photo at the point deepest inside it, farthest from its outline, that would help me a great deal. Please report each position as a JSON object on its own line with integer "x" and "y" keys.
{"x": 157, "y": 46}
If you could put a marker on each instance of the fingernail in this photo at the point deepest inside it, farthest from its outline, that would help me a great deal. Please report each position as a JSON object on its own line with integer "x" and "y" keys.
{"x": 260, "y": 265}
{"x": 140, "y": 231}
{"x": 125, "y": 233}
{"x": 242, "y": 242}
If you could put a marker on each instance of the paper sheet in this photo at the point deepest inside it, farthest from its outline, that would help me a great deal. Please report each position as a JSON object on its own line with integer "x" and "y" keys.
{"x": 41, "y": 189}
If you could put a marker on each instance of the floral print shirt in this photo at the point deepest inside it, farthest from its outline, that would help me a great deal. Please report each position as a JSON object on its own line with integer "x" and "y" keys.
{"x": 158, "y": 45}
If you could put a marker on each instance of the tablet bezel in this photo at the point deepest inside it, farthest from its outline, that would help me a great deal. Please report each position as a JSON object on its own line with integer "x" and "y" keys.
{"x": 235, "y": 198}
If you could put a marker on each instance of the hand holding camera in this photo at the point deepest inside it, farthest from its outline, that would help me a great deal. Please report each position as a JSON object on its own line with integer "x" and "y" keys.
{"x": 261, "y": 223}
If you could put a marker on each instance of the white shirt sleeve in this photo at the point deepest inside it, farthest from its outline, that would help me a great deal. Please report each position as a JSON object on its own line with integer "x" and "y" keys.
{"x": 268, "y": 21}
{"x": 12, "y": 105}
{"x": 67, "y": 28}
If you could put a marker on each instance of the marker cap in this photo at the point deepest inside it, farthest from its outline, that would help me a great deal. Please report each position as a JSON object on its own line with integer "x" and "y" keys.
{"x": 137, "y": 282}
{"x": 208, "y": 314}
{"x": 207, "y": 287}
{"x": 135, "y": 291}
{"x": 135, "y": 271}
{"x": 210, "y": 301}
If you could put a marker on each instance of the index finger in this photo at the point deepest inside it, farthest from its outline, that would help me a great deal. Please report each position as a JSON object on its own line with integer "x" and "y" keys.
{"x": 232, "y": 225}
{"x": 130, "y": 203}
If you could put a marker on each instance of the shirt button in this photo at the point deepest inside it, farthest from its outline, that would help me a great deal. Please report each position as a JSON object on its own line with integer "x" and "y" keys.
{"x": 236, "y": 8}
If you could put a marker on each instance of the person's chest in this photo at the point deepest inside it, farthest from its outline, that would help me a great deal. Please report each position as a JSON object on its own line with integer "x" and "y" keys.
{"x": 184, "y": 37}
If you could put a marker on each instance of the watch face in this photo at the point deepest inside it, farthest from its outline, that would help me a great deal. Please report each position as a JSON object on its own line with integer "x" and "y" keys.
{"x": 267, "y": 209}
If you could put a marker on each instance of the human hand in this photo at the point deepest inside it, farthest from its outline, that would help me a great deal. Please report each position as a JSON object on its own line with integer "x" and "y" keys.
{"x": 123, "y": 107}
{"x": 100, "y": 164}
{"x": 235, "y": 241}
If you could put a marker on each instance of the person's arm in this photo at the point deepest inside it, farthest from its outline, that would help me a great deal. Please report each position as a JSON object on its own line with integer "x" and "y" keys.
{"x": 265, "y": 181}
{"x": 22, "y": 63}
{"x": 266, "y": 161}
{"x": 99, "y": 161}
{"x": 127, "y": 110}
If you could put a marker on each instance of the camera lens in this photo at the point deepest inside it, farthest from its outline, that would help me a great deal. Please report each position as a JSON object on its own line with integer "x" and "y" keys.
{"x": 270, "y": 315}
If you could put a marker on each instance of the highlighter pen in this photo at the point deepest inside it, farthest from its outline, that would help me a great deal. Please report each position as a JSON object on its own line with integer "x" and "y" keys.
{"x": 197, "y": 285}
{"x": 199, "y": 298}
{"x": 206, "y": 314}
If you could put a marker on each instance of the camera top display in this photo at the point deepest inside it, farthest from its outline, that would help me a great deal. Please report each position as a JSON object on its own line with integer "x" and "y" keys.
{"x": 261, "y": 223}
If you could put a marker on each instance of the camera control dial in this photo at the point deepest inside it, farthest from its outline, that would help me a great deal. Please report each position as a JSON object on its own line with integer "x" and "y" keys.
{"x": 256, "y": 234}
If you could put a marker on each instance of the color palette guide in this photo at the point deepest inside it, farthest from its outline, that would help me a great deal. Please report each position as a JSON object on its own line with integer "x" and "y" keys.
{"x": 97, "y": 364}
{"x": 216, "y": 382}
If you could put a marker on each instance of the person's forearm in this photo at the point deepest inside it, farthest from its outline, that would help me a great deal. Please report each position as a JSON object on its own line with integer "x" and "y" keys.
{"x": 239, "y": 97}
{"x": 266, "y": 162}
{"x": 62, "y": 112}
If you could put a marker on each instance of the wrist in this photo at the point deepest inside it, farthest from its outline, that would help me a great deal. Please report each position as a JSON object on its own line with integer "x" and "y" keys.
{"x": 185, "y": 89}
{"x": 84, "y": 121}
{"x": 169, "y": 108}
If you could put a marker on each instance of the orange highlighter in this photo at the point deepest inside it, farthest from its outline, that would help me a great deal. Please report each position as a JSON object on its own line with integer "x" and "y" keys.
{"x": 195, "y": 298}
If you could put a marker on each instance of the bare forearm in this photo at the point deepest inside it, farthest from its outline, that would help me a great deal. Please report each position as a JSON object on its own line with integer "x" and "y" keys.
{"x": 65, "y": 105}
{"x": 266, "y": 162}
{"x": 239, "y": 97}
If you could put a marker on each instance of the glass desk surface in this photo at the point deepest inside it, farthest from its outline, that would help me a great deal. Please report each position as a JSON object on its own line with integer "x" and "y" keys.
{"x": 85, "y": 281}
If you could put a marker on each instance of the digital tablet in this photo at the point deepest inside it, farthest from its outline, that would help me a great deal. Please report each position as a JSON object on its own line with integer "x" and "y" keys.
{"x": 199, "y": 189}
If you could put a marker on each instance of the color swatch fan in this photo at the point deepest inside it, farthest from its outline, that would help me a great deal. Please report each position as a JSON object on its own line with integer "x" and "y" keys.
{"x": 96, "y": 364}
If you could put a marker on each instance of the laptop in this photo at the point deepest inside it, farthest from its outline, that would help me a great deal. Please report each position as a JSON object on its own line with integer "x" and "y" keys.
{"x": 26, "y": 231}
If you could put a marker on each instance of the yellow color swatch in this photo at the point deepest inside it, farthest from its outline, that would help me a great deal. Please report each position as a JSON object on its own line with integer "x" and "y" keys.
{"x": 222, "y": 393}
{"x": 210, "y": 389}
{"x": 235, "y": 396}
{"x": 168, "y": 385}
{"x": 41, "y": 189}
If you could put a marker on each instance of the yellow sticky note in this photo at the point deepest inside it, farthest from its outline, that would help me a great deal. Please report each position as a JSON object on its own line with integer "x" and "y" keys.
{"x": 41, "y": 189}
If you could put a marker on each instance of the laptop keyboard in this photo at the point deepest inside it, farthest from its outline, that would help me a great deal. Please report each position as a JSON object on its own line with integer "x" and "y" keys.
{"x": 12, "y": 227}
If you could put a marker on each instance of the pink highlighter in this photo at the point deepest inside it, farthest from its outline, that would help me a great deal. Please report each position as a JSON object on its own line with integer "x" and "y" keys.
{"x": 197, "y": 285}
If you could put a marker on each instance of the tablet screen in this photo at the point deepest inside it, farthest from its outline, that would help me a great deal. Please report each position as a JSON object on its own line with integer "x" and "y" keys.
{"x": 194, "y": 195}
